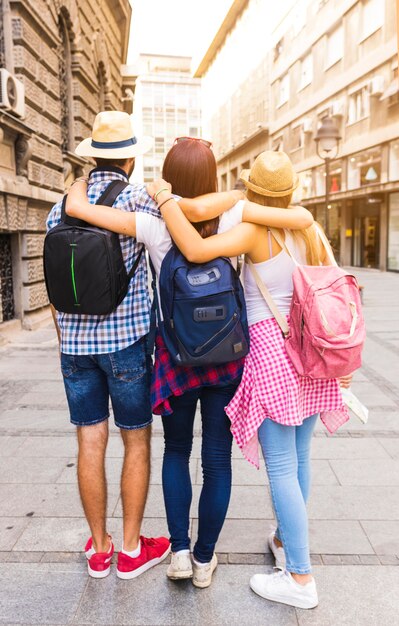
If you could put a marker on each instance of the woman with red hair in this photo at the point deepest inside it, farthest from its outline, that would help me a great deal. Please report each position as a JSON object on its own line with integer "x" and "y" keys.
{"x": 190, "y": 169}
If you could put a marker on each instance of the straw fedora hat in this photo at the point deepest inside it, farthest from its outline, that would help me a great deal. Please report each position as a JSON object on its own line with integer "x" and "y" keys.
{"x": 272, "y": 174}
{"x": 113, "y": 138}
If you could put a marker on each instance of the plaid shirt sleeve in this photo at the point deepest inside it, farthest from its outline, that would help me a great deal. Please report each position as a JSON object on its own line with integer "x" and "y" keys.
{"x": 54, "y": 217}
{"x": 140, "y": 200}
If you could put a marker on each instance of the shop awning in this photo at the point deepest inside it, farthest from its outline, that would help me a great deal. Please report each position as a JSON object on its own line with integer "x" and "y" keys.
{"x": 391, "y": 90}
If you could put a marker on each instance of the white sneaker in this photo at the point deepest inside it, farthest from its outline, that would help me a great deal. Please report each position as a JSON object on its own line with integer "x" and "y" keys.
{"x": 281, "y": 587}
{"x": 180, "y": 566}
{"x": 202, "y": 574}
{"x": 278, "y": 553}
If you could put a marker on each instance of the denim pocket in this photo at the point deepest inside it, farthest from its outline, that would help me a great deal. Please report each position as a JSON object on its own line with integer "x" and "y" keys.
{"x": 130, "y": 364}
{"x": 68, "y": 365}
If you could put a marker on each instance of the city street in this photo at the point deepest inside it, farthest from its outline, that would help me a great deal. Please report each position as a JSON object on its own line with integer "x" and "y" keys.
{"x": 354, "y": 507}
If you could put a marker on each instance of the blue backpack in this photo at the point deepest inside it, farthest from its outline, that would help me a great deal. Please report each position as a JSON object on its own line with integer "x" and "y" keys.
{"x": 204, "y": 312}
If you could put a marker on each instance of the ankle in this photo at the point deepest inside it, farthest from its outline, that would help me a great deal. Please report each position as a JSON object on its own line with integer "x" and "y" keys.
{"x": 102, "y": 544}
{"x": 302, "y": 579}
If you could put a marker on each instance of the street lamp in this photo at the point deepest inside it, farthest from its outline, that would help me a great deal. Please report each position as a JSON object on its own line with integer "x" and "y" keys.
{"x": 327, "y": 141}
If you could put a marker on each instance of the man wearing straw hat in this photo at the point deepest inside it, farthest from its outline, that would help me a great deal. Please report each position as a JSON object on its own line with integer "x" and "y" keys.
{"x": 106, "y": 356}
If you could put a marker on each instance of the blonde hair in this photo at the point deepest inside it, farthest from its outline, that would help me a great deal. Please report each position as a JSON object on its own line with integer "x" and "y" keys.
{"x": 315, "y": 251}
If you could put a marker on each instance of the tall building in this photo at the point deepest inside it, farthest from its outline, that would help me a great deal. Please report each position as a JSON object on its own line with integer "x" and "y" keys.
{"x": 324, "y": 58}
{"x": 167, "y": 104}
{"x": 60, "y": 64}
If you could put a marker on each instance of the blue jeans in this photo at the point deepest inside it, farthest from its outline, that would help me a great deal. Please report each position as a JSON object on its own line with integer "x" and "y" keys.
{"x": 124, "y": 376}
{"x": 286, "y": 450}
{"x": 216, "y": 468}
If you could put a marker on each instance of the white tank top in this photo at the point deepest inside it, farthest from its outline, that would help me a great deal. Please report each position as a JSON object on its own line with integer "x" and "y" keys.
{"x": 276, "y": 273}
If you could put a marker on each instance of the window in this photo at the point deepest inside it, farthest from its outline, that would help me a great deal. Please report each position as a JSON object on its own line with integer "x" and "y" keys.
{"x": 278, "y": 49}
{"x": 335, "y": 177}
{"x": 299, "y": 17}
{"x": 159, "y": 145}
{"x": 335, "y": 46}
{"x": 359, "y": 105}
{"x": 305, "y": 188}
{"x": 277, "y": 144}
{"x": 364, "y": 169}
{"x": 284, "y": 90}
{"x": 320, "y": 181}
{"x": 372, "y": 17}
{"x": 306, "y": 71}
{"x": 393, "y": 232}
{"x": 394, "y": 161}
{"x": 297, "y": 137}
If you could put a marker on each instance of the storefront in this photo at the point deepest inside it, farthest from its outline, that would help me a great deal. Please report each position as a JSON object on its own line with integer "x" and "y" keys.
{"x": 393, "y": 233}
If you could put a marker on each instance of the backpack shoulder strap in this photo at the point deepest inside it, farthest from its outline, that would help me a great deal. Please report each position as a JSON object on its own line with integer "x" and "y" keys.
{"x": 108, "y": 198}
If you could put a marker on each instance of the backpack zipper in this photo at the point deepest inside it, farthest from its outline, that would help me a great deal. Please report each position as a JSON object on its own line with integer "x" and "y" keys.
{"x": 200, "y": 348}
{"x": 75, "y": 294}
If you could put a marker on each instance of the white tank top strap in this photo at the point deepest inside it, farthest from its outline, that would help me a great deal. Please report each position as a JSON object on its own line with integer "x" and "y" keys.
{"x": 269, "y": 236}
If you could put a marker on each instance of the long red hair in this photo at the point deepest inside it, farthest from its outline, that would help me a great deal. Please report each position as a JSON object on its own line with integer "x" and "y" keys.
{"x": 190, "y": 167}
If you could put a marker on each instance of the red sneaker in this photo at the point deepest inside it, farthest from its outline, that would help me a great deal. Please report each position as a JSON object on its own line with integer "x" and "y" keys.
{"x": 153, "y": 551}
{"x": 99, "y": 563}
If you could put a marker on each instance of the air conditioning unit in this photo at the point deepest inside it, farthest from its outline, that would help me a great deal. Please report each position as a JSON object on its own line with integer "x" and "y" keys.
{"x": 12, "y": 93}
{"x": 338, "y": 108}
{"x": 307, "y": 125}
{"x": 377, "y": 86}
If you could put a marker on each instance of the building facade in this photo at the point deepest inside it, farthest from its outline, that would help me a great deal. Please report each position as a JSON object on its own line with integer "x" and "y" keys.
{"x": 167, "y": 104}
{"x": 59, "y": 65}
{"x": 336, "y": 58}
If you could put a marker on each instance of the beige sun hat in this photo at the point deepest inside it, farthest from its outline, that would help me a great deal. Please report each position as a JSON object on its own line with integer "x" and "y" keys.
{"x": 113, "y": 138}
{"x": 272, "y": 174}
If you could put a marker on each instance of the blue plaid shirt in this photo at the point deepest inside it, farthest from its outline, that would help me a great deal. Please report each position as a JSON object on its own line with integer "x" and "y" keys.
{"x": 96, "y": 334}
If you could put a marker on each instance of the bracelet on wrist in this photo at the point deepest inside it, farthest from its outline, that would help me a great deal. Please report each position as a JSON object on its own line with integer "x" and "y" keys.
{"x": 158, "y": 192}
{"x": 165, "y": 201}
{"x": 81, "y": 179}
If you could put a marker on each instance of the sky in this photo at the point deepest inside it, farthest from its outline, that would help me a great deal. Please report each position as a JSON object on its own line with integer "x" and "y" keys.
{"x": 176, "y": 27}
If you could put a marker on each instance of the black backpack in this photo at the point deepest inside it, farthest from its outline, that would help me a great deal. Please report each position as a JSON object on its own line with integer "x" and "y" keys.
{"x": 83, "y": 265}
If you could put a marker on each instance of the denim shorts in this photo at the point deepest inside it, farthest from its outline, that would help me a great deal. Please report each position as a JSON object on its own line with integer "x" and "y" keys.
{"x": 125, "y": 376}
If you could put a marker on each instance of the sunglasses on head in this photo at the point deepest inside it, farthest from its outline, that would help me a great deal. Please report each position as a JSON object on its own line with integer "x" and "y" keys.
{"x": 206, "y": 143}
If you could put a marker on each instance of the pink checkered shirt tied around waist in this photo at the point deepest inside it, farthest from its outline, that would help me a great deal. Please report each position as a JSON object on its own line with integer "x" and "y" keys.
{"x": 270, "y": 388}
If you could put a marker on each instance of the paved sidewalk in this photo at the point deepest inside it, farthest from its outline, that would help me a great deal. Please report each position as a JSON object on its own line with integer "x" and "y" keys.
{"x": 354, "y": 507}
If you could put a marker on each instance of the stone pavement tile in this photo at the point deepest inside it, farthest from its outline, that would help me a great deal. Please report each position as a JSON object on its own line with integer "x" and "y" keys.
{"x": 26, "y": 366}
{"x": 349, "y": 448}
{"x": 31, "y": 470}
{"x": 54, "y": 400}
{"x": 49, "y": 446}
{"x": 354, "y": 596}
{"x": 250, "y": 502}
{"x": 371, "y": 395}
{"x": 243, "y": 536}
{"x": 391, "y": 445}
{"x": 35, "y": 420}
{"x": 154, "y": 600}
{"x": 51, "y": 593}
{"x": 383, "y": 536}
{"x": 9, "y": 446}
{"x": 338, "y": 537}
{"x": 379, "y": 420}
{"x": 53, "y": 534}
{"x": 367, "y": 472}
{"x": 10, "y": 530}
{"x": 21, "y": 557}
{"x": 46, "y": 500}
{"x": 354, "y": 503}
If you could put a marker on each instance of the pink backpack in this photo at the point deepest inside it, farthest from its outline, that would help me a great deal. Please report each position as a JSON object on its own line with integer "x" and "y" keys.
{"x": 327, "y": 331}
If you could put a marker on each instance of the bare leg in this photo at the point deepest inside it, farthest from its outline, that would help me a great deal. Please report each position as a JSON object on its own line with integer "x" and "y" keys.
{"x": 92, "y": 442}
{"x": 134, "y": 483}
